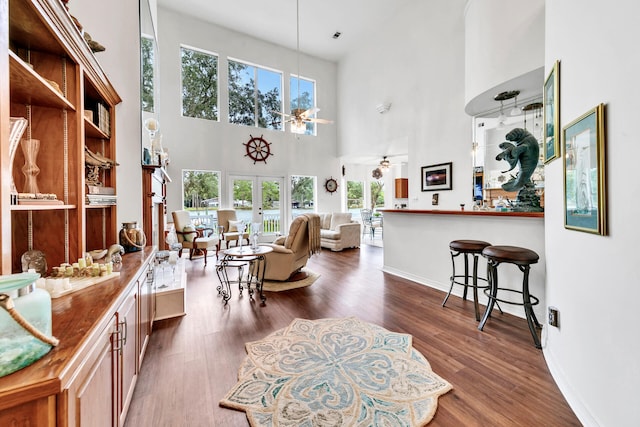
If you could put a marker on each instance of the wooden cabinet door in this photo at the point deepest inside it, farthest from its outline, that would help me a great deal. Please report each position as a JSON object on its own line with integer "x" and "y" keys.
{"x": 402, "y": 188}
{"x": 128, "y": 355}
{"x": 95, "y": 398}
{"x": 34, "y": 413}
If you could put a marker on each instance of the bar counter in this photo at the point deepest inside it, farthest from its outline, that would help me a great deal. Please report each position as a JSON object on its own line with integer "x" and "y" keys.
{"x": 416, "y": 246}
{"x": 468, "y": 212}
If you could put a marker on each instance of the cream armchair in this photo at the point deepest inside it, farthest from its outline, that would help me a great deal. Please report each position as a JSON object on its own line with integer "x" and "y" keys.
{"x": 193, "y": 238}
{"x": 291, "y": 252}
{"x": 227, "y": 220}
{"x": 338, "y": 231}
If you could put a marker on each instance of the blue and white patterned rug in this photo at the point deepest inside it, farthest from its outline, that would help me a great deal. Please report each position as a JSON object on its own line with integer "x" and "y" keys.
{"x": 335, "y": 372}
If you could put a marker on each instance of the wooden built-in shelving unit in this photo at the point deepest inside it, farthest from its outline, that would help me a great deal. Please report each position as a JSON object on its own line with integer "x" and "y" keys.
{"x": 53, "y": 77}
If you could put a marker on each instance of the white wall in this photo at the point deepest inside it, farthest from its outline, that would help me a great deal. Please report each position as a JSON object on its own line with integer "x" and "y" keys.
{"x": 593, "y": 280}
{"x": 504, "y": 40}
{"x": 202, "y": 144}
{"x": 121, "y": 63}
{"x": 415, "y": 62}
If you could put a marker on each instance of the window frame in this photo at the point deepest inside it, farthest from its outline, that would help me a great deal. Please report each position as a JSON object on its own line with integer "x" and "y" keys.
{"x": 311, "y": 128}
{"x": 314, "y": 187}
{"x": 217, "y": 103}
{"x": 256, "y": 104}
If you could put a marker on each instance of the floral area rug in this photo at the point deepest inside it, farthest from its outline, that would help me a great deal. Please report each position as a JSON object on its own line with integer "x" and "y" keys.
{"x": 335, "y": 372}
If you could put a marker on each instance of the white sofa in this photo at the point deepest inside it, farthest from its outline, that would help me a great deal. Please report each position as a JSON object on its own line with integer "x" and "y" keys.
{"x": 338, "y": 231}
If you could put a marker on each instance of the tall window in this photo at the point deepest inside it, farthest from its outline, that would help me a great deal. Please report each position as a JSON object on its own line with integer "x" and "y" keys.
{"x": 303, "y": 99}
{"x": 377, "y": 194}
{"x": 199, "y": 84}
{"x": 355, "y": 195}
{"x": 201, "y": 195}
{"x": 303, "y": 195}
{"x": 148, "y": 62}
{"x": 255, "y": 95}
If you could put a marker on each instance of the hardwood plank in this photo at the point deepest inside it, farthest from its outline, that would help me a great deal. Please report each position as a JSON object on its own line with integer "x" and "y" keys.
{"x": 499, "y": 377}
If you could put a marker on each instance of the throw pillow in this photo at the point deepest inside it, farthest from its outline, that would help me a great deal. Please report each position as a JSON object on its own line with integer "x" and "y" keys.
{"x": 339, "y": 218}
{"x": 325, "y": 221}
{"x": 189, "y": 237}
{"x": 233, "y": 226}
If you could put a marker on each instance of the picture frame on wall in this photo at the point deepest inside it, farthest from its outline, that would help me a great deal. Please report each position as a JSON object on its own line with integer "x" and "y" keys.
{"x": 436, "y": 177}
{"x": 584, "y": 173}
{"x": 551, "y": 108}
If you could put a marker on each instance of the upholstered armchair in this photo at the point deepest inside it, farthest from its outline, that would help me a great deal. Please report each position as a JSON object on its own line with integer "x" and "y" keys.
{"x": 228, "y": 221}
{"x": 291, "y": 252}
{"x": 193, "y": 238}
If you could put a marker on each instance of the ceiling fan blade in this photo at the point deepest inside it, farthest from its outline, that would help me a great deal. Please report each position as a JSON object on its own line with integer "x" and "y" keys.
{"x": 280, "y": 113}
{"x": 321, "y": 121}
{"x": 309, "y": 112}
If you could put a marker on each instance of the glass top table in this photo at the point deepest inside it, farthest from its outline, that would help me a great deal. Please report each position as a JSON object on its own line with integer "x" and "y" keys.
{"x": 250, "y": 265}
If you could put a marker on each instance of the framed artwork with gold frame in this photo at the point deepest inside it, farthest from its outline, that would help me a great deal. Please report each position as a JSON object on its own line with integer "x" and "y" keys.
{"x": 584, "y": 173}
{"x": 551, "y": 108}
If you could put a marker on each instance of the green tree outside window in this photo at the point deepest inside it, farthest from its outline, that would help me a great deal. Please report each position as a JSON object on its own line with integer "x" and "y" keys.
{"x": 199, "y": 84}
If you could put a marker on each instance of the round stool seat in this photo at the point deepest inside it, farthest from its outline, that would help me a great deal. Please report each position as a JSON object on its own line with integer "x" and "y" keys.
{"x": 470, "y": 246}
{"x": 467, "y": 248}
{"x": 511, "y": 254}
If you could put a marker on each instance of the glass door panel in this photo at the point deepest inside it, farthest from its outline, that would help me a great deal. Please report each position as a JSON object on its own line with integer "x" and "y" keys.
{"x": 259, "y": 200}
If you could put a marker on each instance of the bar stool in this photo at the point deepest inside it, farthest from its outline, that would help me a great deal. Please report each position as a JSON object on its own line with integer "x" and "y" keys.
{"x": 467, "y": 247}
{"x": 523, "y": 258}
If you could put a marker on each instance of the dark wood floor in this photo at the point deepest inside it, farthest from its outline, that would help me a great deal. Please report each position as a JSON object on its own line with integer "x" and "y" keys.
{"x": 498, "y": 377}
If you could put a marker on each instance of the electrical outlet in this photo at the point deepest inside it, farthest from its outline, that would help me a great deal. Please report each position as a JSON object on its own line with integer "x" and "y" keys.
{"x": 553, "y": 317}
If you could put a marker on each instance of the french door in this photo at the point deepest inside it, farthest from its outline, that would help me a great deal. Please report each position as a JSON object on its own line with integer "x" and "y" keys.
{"x": 259, "y": 199}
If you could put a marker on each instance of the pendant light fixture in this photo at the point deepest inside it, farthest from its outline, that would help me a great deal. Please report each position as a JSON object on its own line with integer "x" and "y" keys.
{"x": 297, "y": 124}
{"x": 503, "y": 96}
{"x": 515, "y": 111}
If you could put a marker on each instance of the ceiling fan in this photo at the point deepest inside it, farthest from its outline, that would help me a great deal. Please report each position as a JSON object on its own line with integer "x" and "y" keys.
{"x": 299, "y": 117}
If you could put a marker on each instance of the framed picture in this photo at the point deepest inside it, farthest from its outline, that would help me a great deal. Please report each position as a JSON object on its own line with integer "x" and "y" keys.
{"x": 436, "y": 177}
{"x": 551, "y": 106}
{"x": 584, "y": 173}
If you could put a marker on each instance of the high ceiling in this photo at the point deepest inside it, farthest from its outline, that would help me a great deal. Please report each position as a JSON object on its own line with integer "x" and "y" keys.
{"x": 275, "y": 20}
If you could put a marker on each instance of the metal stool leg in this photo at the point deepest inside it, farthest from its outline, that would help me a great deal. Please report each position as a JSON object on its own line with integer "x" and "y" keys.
{"x": 453, "y": 276}
{"x": 492, "y": 276}
{"x": 475, "y": 287}
{"x": 466, "y": 276}
{"x": 532, "y": 321}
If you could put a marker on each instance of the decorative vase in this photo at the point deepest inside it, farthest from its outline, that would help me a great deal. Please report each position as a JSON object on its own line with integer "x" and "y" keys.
{"x": 30, "y": 148}
{"x": 18, "y": 126}
{"x": 132, "y": 238}
{"x": 241, "y": 227}
{"x": 255, "y": 232}
{"x": 18, "y": 347}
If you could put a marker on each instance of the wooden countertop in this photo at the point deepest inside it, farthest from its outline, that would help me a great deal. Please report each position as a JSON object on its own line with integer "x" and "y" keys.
{"x": 466, "y": 213}
{"x": 77, "y": 320}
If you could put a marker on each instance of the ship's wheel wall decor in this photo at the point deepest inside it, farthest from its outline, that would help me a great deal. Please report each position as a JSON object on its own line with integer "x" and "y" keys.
{"x": 331, "y": 185}
{"x": 258, "y": 149}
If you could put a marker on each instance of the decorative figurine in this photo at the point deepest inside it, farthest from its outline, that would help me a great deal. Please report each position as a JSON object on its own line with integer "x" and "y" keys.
{"x": 524, "y": 153}
{"x": 34, "y": 260}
